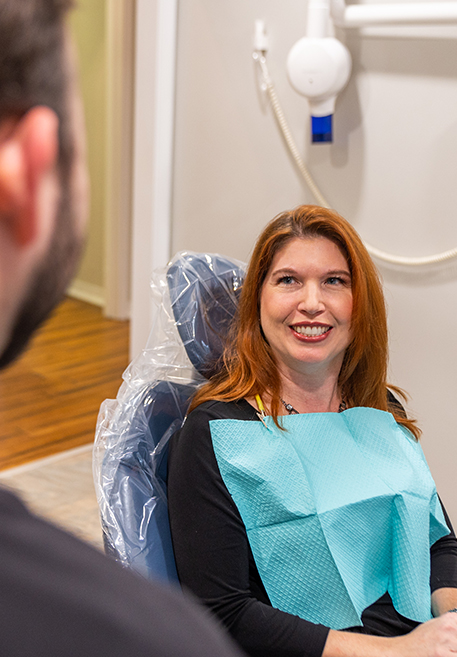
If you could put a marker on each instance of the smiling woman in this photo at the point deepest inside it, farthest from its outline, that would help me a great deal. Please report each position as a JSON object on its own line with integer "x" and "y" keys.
{"x": 301, "y": 508}
{"x": 305, "y": 315}
{"x": 251, "y": 365}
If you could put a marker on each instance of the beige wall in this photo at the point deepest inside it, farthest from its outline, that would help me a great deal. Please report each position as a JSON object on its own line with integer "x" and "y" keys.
{"x": 88, "y": 25}
{"x": 391, "y": 171}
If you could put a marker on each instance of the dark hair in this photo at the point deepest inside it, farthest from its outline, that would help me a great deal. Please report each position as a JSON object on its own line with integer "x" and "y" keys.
{"x": 33, "y": 68}
{"x": 249, "y": 365}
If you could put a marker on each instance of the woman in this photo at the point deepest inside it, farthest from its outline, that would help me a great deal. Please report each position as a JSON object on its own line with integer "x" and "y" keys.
{"x": 301, "y": 510}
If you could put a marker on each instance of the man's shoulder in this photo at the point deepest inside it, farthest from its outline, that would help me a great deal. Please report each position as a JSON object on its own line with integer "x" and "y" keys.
{"x": 60, "y": 596}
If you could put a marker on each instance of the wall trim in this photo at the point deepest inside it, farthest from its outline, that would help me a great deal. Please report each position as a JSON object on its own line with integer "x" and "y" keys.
{"x": 119, "y": 156}
{"x": 88, "y": 292}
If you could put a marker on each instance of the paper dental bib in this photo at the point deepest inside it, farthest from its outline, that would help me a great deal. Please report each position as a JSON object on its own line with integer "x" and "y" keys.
{"x": 339, "y": 509}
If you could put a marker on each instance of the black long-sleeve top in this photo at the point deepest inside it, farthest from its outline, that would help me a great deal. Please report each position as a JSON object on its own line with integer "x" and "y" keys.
{"x": 215, "y": 562}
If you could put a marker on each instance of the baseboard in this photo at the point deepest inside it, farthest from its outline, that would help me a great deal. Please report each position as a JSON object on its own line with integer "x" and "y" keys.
{"x": 87, "y": 292}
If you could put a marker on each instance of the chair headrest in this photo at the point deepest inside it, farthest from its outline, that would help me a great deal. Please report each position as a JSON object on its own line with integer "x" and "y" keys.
{"x": 204, "y": 291}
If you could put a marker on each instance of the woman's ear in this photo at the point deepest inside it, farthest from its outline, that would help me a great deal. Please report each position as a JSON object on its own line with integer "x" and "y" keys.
{"x": 28, "y": 155}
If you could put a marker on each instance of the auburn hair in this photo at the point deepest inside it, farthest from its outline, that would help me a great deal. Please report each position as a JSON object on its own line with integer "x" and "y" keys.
{"x": 248, "y": 364}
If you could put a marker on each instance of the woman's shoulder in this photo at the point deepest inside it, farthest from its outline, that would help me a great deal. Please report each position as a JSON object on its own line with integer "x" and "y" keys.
{"x": 192, "y": 443}
{"x": 196, "y": 427}
{"x": 222, "y": 410}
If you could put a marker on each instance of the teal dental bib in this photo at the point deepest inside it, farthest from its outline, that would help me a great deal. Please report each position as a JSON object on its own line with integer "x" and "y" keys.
{"x": 339, "y": 509}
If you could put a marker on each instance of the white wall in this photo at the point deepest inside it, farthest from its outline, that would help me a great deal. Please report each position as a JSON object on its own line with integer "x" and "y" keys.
{"x": 390, "y": 171}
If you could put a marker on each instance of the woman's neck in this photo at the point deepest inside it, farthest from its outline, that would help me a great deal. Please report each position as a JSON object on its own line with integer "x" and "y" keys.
{"x": 322, "y": 400}
{"x": 318, "y": 394}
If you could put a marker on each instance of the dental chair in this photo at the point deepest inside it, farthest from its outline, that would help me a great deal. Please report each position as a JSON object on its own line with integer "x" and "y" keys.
{"x": 195, "y": 300}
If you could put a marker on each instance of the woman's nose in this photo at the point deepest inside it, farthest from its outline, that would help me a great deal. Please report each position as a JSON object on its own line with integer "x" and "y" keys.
{"x": 311, "y": 301}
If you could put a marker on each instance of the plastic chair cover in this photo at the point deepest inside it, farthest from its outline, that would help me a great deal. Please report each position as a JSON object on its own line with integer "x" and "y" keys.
{"x": 194, "y": 301}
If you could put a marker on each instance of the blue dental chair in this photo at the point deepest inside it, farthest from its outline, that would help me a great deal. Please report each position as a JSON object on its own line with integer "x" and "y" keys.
{"x": 195, "y": 303}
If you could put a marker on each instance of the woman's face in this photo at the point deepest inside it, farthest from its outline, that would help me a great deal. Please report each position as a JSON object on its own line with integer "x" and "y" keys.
{"x": 306, "y": 306}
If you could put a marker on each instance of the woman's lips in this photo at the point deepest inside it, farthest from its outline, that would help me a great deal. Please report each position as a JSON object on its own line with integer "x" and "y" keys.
{"x": 310, "y": 332}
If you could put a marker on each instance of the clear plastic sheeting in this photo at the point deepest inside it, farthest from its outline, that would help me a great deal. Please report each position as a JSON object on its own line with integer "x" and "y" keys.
{"x": 195, "y": 300}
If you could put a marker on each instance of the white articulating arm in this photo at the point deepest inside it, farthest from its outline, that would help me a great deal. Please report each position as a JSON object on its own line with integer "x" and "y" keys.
{"x": 392, "y": 13}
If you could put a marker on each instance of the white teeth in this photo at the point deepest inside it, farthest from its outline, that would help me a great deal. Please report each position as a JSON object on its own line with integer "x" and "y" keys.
{"x": 311, "y": 331}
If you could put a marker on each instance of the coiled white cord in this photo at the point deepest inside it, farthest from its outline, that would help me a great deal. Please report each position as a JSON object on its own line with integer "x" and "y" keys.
{"x": 259, "y": 57}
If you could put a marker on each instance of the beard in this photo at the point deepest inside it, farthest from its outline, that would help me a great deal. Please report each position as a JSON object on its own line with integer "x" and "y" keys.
{"x": 49, "y": 281}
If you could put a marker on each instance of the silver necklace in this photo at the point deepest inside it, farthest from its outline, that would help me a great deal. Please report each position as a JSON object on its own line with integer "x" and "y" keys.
{"x": 293, "y": 411}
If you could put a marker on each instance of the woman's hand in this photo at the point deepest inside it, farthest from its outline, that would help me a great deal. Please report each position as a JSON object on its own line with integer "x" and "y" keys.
{"x": 436, "y": 638}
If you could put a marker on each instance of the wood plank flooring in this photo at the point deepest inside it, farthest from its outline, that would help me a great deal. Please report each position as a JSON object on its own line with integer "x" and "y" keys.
{"x": 49, "y": 398}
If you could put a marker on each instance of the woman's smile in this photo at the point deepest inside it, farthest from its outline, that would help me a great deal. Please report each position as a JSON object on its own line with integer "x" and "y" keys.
{"x": 312, "y": 332}
{"x": 306, "y": 305}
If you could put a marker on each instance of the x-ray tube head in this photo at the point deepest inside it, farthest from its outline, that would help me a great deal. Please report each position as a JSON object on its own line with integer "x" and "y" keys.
{"x": 319, "y": 69}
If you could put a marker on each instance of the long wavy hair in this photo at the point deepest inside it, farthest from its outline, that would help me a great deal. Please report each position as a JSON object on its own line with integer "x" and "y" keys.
{"x": 248, "y": 364}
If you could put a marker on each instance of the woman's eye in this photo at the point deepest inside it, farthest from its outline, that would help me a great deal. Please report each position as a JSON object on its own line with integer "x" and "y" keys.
{"x": 336, "y": 280}
{"x": 286, "y": 280}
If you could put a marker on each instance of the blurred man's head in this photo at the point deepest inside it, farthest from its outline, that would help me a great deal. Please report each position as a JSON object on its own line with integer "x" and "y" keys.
{"x": 43, "y": 195}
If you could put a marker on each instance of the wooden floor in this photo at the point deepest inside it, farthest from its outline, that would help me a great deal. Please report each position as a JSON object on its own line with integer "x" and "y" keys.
{"x": 49, "y": 398}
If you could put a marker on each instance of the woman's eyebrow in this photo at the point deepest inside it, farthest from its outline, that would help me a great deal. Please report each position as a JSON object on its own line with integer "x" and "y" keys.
{"x": 330, "y": 272}
{"x": 338, "y": 272}
{"x": 284, "y": 270}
